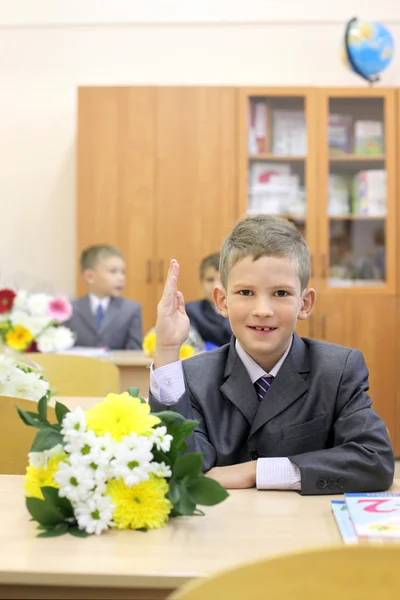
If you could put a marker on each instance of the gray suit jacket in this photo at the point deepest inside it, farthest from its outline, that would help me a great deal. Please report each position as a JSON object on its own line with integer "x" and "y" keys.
{"x": 316, "y": 412}
{"x": 121, "y": 328}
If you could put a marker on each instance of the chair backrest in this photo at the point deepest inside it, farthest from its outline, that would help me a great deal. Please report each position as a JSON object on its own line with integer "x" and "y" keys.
{"x": 15, "y": 437}
{"x": 71, "y": 375}
{"x": 348, "y": 573}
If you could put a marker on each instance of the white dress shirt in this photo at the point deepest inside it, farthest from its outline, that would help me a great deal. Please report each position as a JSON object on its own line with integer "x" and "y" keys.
{"x": 95, "y": 302}
{"x": 167, "y": 386}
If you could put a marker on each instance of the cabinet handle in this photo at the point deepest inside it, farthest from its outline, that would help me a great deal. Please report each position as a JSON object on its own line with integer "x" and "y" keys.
{"x": 149, "y": 271}
{"x": 161, "y": 271}
{"x": 324, "y": 266}
{"x": 323, "y": 327}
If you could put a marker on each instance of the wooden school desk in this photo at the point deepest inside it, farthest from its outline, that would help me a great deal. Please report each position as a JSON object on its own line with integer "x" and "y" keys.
{"x": 134, "y": 564}
{"x": 133, "y": 368}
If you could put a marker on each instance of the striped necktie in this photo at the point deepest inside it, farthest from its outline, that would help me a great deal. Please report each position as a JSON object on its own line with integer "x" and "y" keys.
{"x": 262, "y": 386}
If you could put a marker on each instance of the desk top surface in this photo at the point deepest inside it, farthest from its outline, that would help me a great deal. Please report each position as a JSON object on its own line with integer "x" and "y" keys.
{"x": 129, "y": 358}
{"x": 250, "y": 524}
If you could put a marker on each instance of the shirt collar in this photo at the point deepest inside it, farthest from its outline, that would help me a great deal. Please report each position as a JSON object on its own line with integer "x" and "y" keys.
{"x": 253, "y": 369}
{"x": 95, "y": 302}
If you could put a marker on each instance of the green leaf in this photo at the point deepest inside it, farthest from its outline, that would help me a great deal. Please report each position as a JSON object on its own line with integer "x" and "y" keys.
{"x": 43, "y": 512}
{"x": 46, "y": 439}
{"x": 186, "y": 504}
{"x": 188, "y": 465}
{"x": 61, "y": 411}
{"x": 78, "y": 532}
{"x": 54, "y": 531}
{"x": 133, "y": 391}
{"x": 173, "y": 492}
{"x": 168, "y": 416}
{"x": 51, "y": 494}
{"x": 42, "y": 408}
{"x": 206, "y": 491}
{"x": 32, "y": 419}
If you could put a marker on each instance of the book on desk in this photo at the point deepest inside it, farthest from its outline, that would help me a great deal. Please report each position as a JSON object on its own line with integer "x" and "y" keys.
{"x": 373, "y": 517}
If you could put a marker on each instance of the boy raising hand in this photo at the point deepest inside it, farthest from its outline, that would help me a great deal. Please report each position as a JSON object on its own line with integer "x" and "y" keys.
{"x": 274, "y": 410}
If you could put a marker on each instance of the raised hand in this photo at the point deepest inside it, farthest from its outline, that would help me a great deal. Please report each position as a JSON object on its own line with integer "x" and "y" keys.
{"x": 172, "y": 326}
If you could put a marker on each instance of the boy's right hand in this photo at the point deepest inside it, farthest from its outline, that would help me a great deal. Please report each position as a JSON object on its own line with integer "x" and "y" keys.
{"x": 172, "y": 326}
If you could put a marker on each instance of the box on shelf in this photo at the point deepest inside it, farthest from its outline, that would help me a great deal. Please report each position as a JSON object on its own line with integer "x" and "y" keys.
{"x": 339, "y": 195}
{"x": 289, "y": 133}
{"x": 274, "y": 189}
{"x": 369, "y": 193}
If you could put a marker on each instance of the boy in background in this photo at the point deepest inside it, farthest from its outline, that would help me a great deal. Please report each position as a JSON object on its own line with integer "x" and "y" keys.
{"x": 102, "y": 317}
{"x": 204, "y": 316}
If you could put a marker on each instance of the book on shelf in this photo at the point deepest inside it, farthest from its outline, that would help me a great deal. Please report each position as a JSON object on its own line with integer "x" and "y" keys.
{"x": 258, "y": 127}
{"x": 340, "y": 134}
{"x": 370, "y": 517}
{"x": 289, "y": 133}
{"x": 369, "y": 193}
{"x": 274, "y": 189}
{"x": 368, "y": 138}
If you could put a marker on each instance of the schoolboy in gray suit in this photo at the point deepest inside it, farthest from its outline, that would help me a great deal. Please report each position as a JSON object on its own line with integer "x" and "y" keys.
{"x": 103, "y": 318}
{"x": 273, "y": 409}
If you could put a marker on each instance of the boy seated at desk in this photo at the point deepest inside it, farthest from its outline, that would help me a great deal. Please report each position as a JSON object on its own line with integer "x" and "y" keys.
{"x": 102, "y": 318}
{"x": 273, "y": 409}
{"x": 204, "y": 316}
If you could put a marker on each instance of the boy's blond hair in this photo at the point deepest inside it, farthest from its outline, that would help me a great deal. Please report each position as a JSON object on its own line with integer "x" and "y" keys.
{"x": 91, "y": 256}
{"x": 265, "y": 235}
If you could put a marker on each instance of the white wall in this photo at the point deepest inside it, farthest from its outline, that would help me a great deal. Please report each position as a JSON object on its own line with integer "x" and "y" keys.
{"x": 48, "y": 48}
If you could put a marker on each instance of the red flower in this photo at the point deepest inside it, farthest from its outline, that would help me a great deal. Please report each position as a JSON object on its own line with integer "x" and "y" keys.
{"x": 6, "y": 300}
{"x": 32, "y": 348}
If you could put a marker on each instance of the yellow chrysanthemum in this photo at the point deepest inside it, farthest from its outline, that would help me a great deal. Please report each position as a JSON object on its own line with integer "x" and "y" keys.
{"x": 149, "y": 343}
{"x": 120, "y": 415}
{"x": 19, "y": 338}
{"x": 37, "y": 477}
{"x": 140, "y": 506}
{"x": 186, "y": 351}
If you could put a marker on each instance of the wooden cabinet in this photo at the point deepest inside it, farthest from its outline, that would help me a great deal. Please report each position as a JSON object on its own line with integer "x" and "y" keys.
{"x": 157, "y": 178}
{"x": 326, "y": 159}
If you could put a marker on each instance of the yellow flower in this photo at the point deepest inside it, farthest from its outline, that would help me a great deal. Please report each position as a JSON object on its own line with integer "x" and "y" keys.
{"x": 37, "y": 477}
{"x": 149, "y": 343}
{"x": 120, "y": 415}
{"x": 186, "y": 351}
{"x": 140, "y": 506}
{"x": 19, "y": 338}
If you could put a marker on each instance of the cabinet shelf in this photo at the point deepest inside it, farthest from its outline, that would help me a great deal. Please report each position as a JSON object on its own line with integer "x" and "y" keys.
{"x": 277, "y": 158}
{"x": 357, "y": 158}
{"x": 357, "y": 217}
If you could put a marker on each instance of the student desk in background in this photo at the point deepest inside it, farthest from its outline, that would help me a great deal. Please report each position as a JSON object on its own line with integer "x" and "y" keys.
{"x": 133, "y": 367}
{"x": 134, "y": 564}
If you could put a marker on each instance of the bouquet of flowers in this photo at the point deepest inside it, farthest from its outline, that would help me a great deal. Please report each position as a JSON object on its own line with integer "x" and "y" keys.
{"x": 115, "y": 465}
{"x": 32, "y": 322}
{"x": 193, "y": 345}
{"x": 19, "y": 380}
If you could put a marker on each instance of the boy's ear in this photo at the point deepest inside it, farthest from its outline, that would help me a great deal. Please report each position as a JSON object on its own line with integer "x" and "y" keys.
{"x": 88, "y": 276}
{"x": 307, "y": 303}
{"x": 219, "y": 297}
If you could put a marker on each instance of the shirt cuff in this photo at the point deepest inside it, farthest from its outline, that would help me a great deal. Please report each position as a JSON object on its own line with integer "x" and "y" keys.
{"x": 277, "y": 474}
{"x": 167, "y": 384}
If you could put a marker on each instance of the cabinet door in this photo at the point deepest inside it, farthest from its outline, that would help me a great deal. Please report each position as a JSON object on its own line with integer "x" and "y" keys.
{"x": 369, "y": 324}
{"x": 357, "y": 186}
{"x": 116, "y": 182}
{"x": 196, "y": 200}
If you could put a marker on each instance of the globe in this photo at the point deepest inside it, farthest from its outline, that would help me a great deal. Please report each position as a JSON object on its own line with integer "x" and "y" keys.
{"x": 370, "y": 46}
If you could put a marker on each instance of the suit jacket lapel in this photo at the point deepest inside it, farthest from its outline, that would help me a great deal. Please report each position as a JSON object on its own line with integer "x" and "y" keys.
{"x": 287, "y": 386}
{"x": 84, "y": 309}
{"x": 237, "y": 386}
{"x": 110, "y": 314}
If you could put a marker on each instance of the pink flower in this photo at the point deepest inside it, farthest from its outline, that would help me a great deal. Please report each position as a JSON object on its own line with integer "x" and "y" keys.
{"x": 59, "y": 309}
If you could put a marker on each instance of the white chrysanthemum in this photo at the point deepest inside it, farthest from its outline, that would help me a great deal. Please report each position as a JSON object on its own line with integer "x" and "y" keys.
{"x": 161, "y": 470}
{"x": 76, "y": 481}
{"x": 33, "y": 324}
{"x": 37, "y": 304}
{"x": 25, "y": 385}
{"x": 132, "y": 459}
{"x": 7, "y": 368}
{"x": 161, "y": 439}
{"x": 20, "y": 300}
{"x": 55, "y": 339}
{"x": 95, "y": 515}
{"x": 73, "y": 424}
{"x": 40, "y": 459}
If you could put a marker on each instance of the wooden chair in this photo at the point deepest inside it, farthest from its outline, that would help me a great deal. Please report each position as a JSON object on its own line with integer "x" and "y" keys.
{"x": 15, "y": 437}
{"x": 71, "y": 375}
{"x": 349, "y": 573}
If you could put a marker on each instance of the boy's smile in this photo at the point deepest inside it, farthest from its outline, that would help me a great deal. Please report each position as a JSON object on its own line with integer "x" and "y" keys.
{"x": 263, "y": 302}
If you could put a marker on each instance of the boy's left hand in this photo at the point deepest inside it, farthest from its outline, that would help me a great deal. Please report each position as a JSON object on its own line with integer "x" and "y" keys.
{"x": 235, "y": 476}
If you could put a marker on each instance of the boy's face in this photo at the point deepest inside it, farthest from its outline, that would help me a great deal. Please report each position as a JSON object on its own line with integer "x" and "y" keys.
{"x": 263, "y": 302}
{"x": 209, "y": 280}
{"x": 107, "y": 278}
